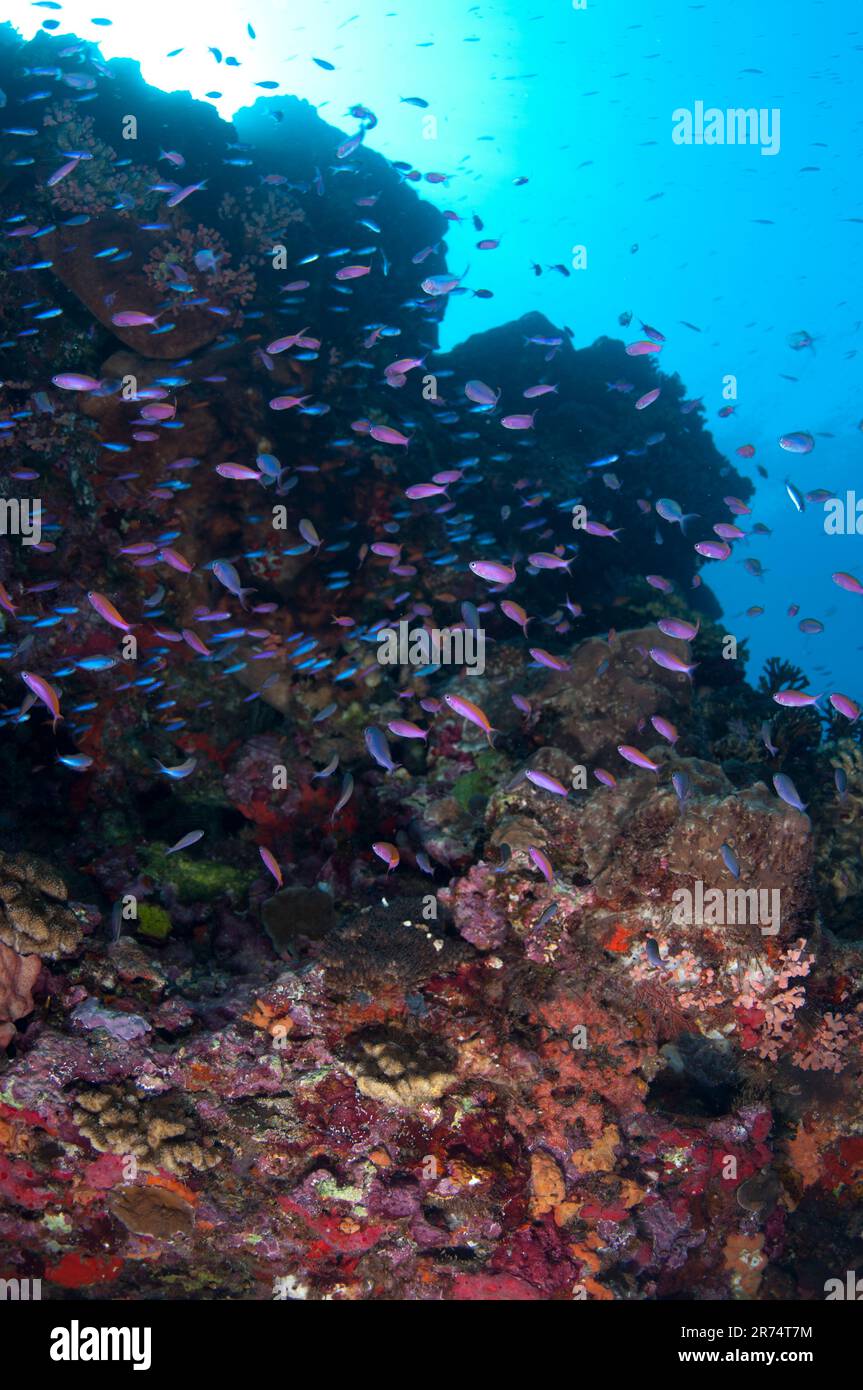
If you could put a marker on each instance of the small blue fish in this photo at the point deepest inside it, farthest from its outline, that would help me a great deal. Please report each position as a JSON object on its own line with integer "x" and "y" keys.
{"x": 379, "y": 748}
{"x": 191, "y": 839}
{"x": 79, "y": 762}
{"x": 546, "y": 916}
{"x": 786, "y": 789}
{"x": 652, "y": 951}
{"x": 682, "y": 787}
{"x": 178, "y": 773}
{"x": 505, "y": 856}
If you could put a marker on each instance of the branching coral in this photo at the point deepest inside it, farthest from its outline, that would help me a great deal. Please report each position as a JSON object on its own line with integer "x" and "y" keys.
{"x": 116, "y": 1121}
{"x": 200, "y": 261}
{"x": 826, "y": 1049}
{"x": 265, "y": 219}
{"x": 96, "y": 184}
{"x": 781, "y": 675}
{"x": 769, "y": 1001}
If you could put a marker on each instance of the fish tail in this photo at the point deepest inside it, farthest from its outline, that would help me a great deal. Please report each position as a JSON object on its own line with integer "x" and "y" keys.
{"x": 690, "y": 516}
{"x": 58, "y": 719}
{"x": 242, "y": 596}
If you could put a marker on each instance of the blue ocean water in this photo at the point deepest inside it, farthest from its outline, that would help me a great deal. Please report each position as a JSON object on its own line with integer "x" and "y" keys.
{"x": 553, "y": 124}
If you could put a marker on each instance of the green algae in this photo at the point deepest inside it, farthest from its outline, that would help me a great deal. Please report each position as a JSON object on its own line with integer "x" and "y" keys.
{"x": 153, "y": 922}
{"x": 196, "y": 880}
{"x": 481, "y": 782}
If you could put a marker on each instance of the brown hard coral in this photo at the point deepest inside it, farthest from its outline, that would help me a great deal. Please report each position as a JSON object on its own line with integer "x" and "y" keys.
{"x": 399, "y": 1069}
{"x": 117, "y": 1121}
{"x": 34, "y": 916}
{"x": 152, "y": 1211}
{"x": 395, "y": 946}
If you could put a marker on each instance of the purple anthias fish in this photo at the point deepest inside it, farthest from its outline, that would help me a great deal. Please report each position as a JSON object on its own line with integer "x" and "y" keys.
{"x": 518, "y": 422}
{"x": 713, "y": 550}
{"x": 542, "y": 863}
{"x": 845, "y": 705}
{"x": 133, "y": 318}
{"x": 847, "y": 582}
{"x": 544, "y": 658}
{"x": 493, "y": 572}
{"x": 599, "y": 528}
{"x": 636, "y": 757}
{"x": 468, "y": 710}
{"x": 546, "y": 782}
{"x": 665, "y": 728}
{"x": 796, "y": 699}
{"x": 403, "y": 728}
{"x": 480, "y": 394}
{"x": 669, "y": 662}
{"x": 678, "y": 627}
{"x": 542, "y": 560}
{"x": 417, "y": 491}
{"x": 385, "y": 434}
{"x": 75, "y": 381}
{"x": 45, "y": 693}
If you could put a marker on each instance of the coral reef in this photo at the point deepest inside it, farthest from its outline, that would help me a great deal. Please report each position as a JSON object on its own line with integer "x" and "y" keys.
{"x": 326, "y": 979}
